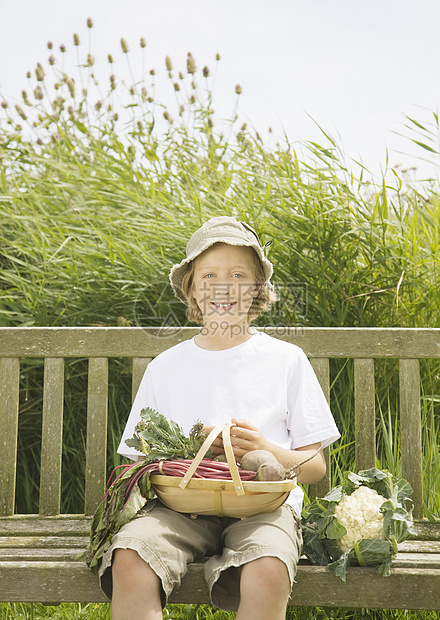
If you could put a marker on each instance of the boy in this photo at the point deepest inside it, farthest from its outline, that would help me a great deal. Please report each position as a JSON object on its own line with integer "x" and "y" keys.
{"x": 267, "y": 388}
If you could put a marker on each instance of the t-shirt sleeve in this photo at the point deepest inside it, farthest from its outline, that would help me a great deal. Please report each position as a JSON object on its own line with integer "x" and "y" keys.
{"x": 144, "y": 398}
{"x": 309, "y": 418}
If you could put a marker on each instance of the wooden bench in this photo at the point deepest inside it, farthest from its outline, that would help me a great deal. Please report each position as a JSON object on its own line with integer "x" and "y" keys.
{"x": 37, "y": 551}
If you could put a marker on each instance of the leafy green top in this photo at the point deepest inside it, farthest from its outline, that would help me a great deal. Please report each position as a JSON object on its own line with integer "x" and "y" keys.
{"x": 160, "y": 438}
{"x": 157, "y": 438}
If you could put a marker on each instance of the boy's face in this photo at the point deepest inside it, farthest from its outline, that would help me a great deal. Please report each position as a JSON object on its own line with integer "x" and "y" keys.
{"x": 224, "y": 284}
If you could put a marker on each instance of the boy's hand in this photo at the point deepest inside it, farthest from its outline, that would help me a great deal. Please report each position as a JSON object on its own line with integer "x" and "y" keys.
{"x": 244, "y": 437}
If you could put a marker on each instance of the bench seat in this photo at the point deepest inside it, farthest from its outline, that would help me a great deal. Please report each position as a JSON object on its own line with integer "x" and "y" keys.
{"x": 37, "y": 563}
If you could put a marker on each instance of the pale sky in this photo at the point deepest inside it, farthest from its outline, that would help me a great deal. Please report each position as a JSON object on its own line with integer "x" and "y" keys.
{"x": 356, "y": 67}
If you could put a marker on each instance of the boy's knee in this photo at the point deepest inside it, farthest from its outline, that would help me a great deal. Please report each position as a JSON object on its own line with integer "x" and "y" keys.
{"x": 124, "y": 560}
{"x": 267, "y": 573}
{"x": 127, "y": 565}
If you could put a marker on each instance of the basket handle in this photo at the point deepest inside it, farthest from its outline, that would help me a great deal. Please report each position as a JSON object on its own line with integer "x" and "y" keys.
{"x": 230, "y": 457}
{"x": 225, "y": 429}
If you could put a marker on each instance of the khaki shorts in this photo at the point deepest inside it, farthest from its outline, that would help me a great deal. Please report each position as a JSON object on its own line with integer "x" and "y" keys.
{"x": 168, "y": 541}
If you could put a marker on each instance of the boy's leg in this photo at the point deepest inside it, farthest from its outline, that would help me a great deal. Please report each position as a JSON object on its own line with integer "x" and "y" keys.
{"x": 136, "y": 588}
{"x": 264, "y": 590}
{"x": 240, "y": 579}
{"x": 159, "y": 541}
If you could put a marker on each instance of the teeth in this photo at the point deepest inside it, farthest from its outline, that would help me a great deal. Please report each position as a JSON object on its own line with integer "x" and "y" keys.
{"x": 222, "y": 305}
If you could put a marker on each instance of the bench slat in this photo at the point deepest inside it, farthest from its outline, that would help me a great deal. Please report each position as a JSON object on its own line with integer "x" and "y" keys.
{"x": 321, "y": 366}
{"x": 79, "y": 525}
{"x": 364, "y": 408}
{"x": 96, "y": 452}
{"x": 34, "y": 525}
{"x": 407, "y": 588}
{"x": 39, "y": 555}
{"x": 52, "y": 436}
{"x": 343, "y": 342}
{"x": 47, "y": 542}
{"x": 420, "y": 546}
{"x": 411, "y": 430}
{"x": 9, "y": 401}
{"x": 139, "y": 367}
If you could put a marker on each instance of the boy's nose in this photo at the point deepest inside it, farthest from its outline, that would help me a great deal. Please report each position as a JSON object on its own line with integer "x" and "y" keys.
{"x": 222, "y": 289}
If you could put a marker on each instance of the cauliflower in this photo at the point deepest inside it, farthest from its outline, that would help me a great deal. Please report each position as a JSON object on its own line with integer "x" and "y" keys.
{"x": 360, "y": 514}
{"x": 347, "y": 526}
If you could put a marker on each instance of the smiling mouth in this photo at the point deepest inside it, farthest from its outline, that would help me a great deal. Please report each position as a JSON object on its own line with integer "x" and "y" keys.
{"x": 221, "y": 306}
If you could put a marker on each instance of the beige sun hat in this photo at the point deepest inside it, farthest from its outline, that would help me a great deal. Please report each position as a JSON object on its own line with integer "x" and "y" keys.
{"x": 221, "y": 229}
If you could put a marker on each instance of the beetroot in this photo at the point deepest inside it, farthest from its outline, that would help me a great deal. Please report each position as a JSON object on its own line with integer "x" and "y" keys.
{"x": 254, "y": 458}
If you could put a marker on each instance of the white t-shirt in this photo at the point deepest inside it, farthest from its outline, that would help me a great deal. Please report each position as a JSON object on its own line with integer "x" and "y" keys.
{"x": 266, "y": 381}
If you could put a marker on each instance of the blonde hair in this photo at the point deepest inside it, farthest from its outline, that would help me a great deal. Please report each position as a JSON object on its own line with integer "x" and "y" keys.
{"x": 262, "y": 302}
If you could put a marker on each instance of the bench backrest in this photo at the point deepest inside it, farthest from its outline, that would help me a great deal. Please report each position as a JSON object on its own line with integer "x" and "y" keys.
{"x": 98, "y": 344}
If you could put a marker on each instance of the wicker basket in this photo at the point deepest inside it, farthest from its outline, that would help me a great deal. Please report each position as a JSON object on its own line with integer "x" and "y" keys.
{"x": 221, "y": 498}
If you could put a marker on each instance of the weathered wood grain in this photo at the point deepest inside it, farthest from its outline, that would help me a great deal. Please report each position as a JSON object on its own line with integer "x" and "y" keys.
{"x": 406, "y": 588}
{"x": 52, "y": 436}
{"x": 9, "y": 401}
{"x": 42, "y": 542}
{"x": 35, "y": 525}
{"x": 321, "y": 366}
{"x": 139, "y": 367}
{"x": 148, "y": 342}
{"x": 34, "y": 554}
{"x": 411, "y": 430}
{"x": 364, "y": 408}
{"x": 79, "y": 526}
{"x": 96, "y": 451}
{"x": 64, "y": 581}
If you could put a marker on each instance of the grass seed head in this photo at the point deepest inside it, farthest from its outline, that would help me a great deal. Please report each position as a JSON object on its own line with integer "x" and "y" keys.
{"x": 20, "y": 112}
{"x": 39, "y": 72}
{"x": 190, "y": 64}
{"x": 71, "y": 85}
